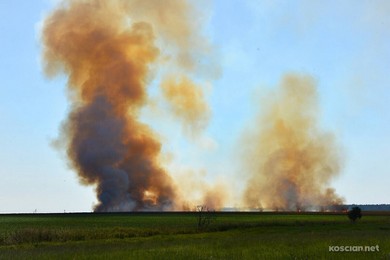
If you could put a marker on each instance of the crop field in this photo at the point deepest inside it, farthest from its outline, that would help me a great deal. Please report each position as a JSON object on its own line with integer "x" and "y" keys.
{"x": 178, "y": 236}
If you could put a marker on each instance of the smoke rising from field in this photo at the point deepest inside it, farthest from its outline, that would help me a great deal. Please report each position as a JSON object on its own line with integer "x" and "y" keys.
{"x": 110, "y": 51}
{"x": 290, "y": 161}
{"x": 107, "y": 54}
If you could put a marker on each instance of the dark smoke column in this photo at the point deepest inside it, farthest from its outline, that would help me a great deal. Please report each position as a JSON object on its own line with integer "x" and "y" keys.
{"x": 107, "y": 60}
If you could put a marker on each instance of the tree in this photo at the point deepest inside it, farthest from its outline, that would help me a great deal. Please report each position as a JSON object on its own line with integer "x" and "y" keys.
{"x": 205, "y": 216}
{"x": 354, "y": 214}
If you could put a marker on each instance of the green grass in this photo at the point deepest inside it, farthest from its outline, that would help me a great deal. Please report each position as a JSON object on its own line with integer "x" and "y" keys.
{"x": 175, "y": 235}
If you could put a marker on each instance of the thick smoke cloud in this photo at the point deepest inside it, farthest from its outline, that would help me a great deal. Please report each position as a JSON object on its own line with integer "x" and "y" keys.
{"x": 110, "y": 51}
{"x": 290, "y": 161}
{"x": 107, "y": 62}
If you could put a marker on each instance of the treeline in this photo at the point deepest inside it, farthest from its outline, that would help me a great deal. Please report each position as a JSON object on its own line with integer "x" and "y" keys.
{"x": 370, "y": 207}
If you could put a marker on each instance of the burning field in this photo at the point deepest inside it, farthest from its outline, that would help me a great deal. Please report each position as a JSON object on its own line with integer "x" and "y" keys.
{"x": 112, "y": 51}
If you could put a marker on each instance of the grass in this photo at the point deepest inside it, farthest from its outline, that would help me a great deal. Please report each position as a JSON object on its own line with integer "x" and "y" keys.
{"x": 175, "y": 235}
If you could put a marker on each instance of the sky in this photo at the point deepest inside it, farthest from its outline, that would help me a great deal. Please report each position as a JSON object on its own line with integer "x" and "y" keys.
{"x": 343, "y": 45}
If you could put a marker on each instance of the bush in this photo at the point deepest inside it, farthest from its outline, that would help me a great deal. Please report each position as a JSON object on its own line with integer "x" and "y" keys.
{"x": 354, "y": 214}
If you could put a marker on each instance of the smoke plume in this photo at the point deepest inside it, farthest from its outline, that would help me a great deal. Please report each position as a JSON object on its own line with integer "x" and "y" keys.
{"x": 290, "y": 161}
{"x": 107, "y": 58}
{"x": 110, "y": 51}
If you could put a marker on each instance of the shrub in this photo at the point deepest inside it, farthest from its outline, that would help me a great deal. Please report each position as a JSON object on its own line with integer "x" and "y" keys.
{"x": 354, "y": 214}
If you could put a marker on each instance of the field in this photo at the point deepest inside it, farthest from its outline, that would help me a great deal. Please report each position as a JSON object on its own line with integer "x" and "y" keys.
{"x": 177, "y": 235}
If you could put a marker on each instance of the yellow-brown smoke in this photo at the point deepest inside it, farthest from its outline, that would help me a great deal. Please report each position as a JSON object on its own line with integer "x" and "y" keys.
{"x": 195, "y": 190}
{"x": 107, "y": 61}
{"x": 290, "y": 161}
{"x": 187, "y": 102}
{"x": 110, "y": 50}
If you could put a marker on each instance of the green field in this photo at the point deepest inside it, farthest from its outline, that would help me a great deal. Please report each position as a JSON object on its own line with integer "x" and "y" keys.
{"x": 176, "y": 235}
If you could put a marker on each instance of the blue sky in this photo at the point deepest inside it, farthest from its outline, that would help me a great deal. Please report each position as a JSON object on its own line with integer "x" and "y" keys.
{"x": 344, "y": 45}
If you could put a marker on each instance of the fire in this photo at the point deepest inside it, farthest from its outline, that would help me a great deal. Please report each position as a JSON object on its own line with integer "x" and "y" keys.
{"x": 151, "y": 197}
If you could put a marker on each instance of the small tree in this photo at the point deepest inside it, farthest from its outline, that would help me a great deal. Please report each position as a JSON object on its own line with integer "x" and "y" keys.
{"x": 354, "y": 214}
{"x": 205, "y": 216}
